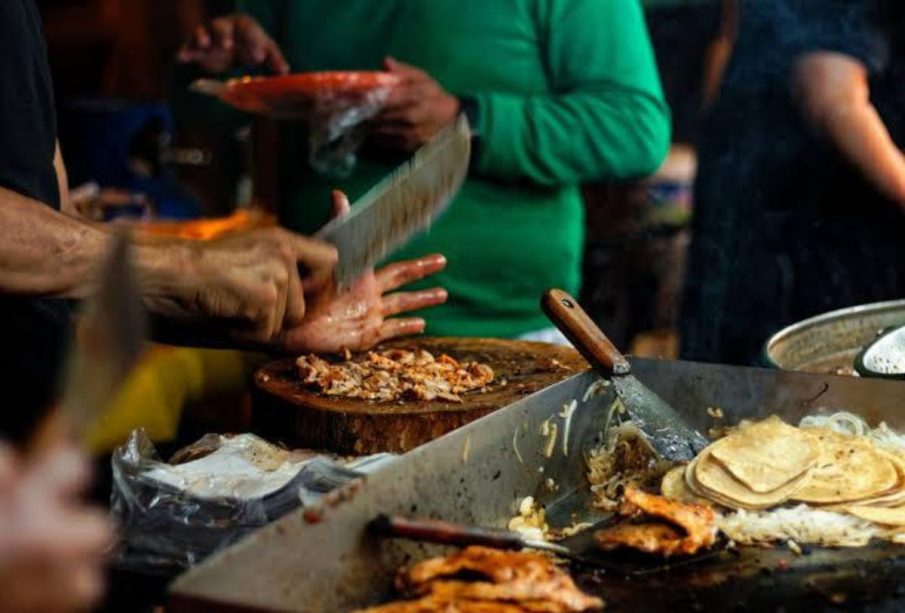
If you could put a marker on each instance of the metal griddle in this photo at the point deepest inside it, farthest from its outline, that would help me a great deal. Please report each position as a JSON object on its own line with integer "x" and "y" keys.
{"x": 323, "y": 559}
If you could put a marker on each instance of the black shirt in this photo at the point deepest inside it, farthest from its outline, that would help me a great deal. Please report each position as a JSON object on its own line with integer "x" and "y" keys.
{"x": 33, "y": 332}
{"x": 785, "y": 228}
{"x": 27, "y": 118}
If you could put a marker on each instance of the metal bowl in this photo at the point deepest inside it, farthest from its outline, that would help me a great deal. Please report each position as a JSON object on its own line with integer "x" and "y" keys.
{"x": 830, "y": 343}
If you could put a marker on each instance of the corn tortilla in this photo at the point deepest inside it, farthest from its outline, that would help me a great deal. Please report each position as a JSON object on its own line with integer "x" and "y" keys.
{"x": 848, "y": 469}
{"x": 717, "y": 483}
{"x": 673, "y": 486}
{"x": 768, "y": 455}
{"x": 887, "y": 516}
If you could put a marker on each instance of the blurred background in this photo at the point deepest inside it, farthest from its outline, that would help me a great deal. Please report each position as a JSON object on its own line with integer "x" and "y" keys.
{"x": 112, "y": 61}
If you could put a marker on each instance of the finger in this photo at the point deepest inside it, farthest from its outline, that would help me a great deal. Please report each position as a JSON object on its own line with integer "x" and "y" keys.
{"x": 63, "y": 473}
{"x": 400, "y": 273}
{"x": 252, "y": 51}
{"x": 282, "y": 304}
{"x": 403, "y": 302}
{"x": 83, "y": 533}
{"x": 413, "y": 94}
{"x": 399, "y": 98}
{"x": 295, "y": 299}
{"x": 186, "y": 54}
{"x": 318, "y": 258}
{"x": 407, "y": 72}
{"x": 193, "y": 49}
{"x": 88, "y": 587}
{"x": 341, "y": 206}
{"x": 223, "y": 33}
{"x": 408, "y": 115}
{"x": 394, "y": 328}
{"x": 396, "y": 118}
{"x": 274, "y": 57}
{"x": 390, "y": 130}
{"x": 202, "y": 38}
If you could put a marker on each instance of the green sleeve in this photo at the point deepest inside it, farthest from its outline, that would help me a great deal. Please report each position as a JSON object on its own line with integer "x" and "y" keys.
{"x": 606, "y": 117}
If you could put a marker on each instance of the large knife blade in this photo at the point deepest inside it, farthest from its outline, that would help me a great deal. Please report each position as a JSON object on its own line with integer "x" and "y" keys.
{"x": 110, "y": 341}
{"x": 402, "y": 204}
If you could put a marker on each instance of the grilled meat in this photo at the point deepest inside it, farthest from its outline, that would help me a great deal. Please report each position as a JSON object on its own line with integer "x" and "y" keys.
{"x": 395, "y": 374}
{"x": 646, "y": 537}
{"x": 478, "y": 579}
{"x": 690, "y": 527}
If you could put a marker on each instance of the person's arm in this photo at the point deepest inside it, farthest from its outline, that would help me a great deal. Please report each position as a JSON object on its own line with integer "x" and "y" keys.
{"x": 606, "y": 117}
{"x": 833, "y": 93}
{"x": 719, "y": 52}
{"x": 43, "y": 252}
{"x": 250, "y": 282}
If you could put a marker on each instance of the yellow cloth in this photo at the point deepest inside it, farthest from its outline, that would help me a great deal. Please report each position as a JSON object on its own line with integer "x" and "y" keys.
{"x": 164, "y": 382}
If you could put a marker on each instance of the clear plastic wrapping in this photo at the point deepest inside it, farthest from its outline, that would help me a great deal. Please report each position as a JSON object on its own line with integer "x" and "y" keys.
{"x": 334, "y": 105}
{"x": 173, "y": 515}
{"x": 337, "y": 130}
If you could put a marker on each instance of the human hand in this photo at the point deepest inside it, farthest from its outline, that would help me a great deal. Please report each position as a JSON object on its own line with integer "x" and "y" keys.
{"x": 231, "y": 41}
{"x": 52, "y": 547}
{"x": 417, "y": 108}
{"x": 247, "y": 285}
{"x": 363, "y": 316}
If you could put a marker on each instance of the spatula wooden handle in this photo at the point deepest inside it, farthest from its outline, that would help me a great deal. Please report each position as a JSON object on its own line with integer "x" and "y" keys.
{"x": 443, "y": 533}
{"x": 567, "y": 315}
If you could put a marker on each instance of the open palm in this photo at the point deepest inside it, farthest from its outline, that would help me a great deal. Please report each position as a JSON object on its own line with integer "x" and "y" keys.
{"x": 364, "y": 315}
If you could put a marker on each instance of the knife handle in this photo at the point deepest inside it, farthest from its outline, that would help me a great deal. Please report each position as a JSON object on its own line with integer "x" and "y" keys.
{"x": 567, "y": 315}
{"x": 443, "y": 532}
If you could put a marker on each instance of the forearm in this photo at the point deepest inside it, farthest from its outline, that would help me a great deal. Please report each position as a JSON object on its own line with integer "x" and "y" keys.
{"x": 859, "y": 134}
{"x": 46, "y": 253}
{"x": 43, "y": 252}
{"x": 833, "y": 93}
{"x": 609, "y": 133}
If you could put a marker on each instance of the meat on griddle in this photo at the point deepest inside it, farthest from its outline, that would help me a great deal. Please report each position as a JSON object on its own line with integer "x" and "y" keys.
{"x": 689, "y": 527}
{"x": 479, "y": 579}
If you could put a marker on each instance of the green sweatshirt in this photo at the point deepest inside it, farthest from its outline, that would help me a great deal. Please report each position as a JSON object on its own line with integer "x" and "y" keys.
{"x": 567, "y": 91}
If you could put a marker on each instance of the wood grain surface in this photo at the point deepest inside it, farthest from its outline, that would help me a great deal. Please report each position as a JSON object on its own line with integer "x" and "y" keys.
{"x": 287, "y": 410}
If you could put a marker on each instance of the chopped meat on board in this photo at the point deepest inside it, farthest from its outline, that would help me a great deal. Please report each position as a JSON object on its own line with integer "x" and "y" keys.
{"x": 395, "y": 374}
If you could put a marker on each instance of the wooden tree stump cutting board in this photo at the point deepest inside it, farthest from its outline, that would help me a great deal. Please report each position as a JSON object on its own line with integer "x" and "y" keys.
{"x": 288, "y": 411}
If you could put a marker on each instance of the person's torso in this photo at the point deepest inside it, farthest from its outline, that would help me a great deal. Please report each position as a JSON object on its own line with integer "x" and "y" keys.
{"x": 786, "y": 227}
{"x": 506, "y": 242}
{"x": 35, "y": 331}
{"x": 27, "y": 118}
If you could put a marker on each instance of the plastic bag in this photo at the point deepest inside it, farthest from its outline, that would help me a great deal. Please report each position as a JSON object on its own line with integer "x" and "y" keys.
{"x": 337, "y": 130}
{"x": 335, "y": 106}
{"x": 172, "y": 516}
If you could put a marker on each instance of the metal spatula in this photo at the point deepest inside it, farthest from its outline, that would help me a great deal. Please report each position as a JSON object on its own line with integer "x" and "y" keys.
{"x": 884, "y": 357}
{"x": 401, "y": 205}
{"x": 667, "y": 431}
{"x": 448, "y": 533}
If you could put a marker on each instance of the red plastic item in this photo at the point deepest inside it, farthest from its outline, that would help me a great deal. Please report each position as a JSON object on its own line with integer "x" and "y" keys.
{"x": 305, "y": 93}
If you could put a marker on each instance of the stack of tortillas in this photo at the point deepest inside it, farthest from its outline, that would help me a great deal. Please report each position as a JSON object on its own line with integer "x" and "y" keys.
{"x": 767, "y": 464}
